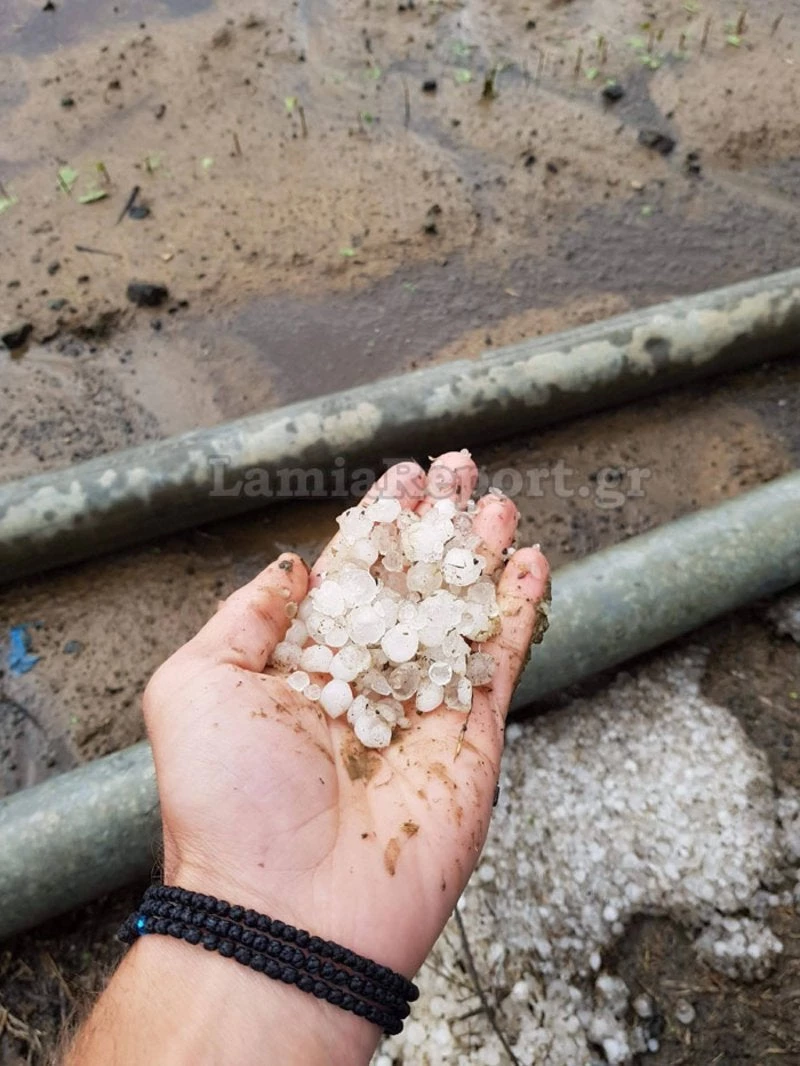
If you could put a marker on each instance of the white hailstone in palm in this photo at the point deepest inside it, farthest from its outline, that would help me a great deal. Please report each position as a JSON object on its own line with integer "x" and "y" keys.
{"x": 358, "y": 585}
{"x": 379, "y": 658}
{"x": 388, "y": 603}
{"x": 312, "y": 692}
{"x": 336, "y": 633}
{"x": 366, "y": 625}
{"x": 373, "y": 731}
{"x": 452, "y": 696}
{"x": 286, "y": 655}
{"x": 461, "y": 568}
{"x": 454, "y": 649}
{"x": 329, "y": 598}
{"x": 385, "y": 538}
{"x": 326, "y": 630}
{"x": 360, "y": 707}
{"x": 316, "y": 658}
{"x": 364, "y": 551}
{"x": 440, "y": 673}
{"x": 483, "y": 592}
{"x": 393, "y": 561}
{"x": 425, "y": 542}
{"x": 404, "y": 680}
{"x": 348, "y": 663}
{"x": 462, "y": 524}
{"x": 476, "y": 624}
{"x": 408, "y": 614}
{"x": 377, "y": 683}
{"x": 445, "y": 508}
{"x": 464, "y": 692}
{"x": 429, "y": 696}
{"x": 391, "y": 711}
{"x": 480, "y": 668}
{"x": 354, "y": 524}
{"x": 298, "y": 680}
{"x": 336, "y": 697}
{"x": 297, "y": 633}
{"x": 424, "y": 578}
{"x": 385, "y": 509}
{"x": 400, "y": 643}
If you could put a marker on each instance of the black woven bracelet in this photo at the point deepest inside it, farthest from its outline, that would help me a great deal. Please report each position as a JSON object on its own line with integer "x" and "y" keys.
{"x": 282, "y": 931}
{"x": 286, "y": 953}
{"x": 293, "y": 956}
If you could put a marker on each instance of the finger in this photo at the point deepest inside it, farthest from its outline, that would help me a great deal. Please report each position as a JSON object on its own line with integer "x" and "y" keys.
{"x": 495, "y": 522}
{"x": 453, "y": 476}
{"x": 245, "y": 630}
{"x": 521, "y": 591}
{"x": 404, "y": 482}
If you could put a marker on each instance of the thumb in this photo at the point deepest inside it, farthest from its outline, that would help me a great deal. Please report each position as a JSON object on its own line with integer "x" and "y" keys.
{"x": 246, "y": 628}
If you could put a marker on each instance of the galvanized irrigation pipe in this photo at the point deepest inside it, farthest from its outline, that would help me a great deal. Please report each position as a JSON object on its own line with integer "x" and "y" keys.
{"x": 118, "y": 500}
{"x": 96, "y": 828}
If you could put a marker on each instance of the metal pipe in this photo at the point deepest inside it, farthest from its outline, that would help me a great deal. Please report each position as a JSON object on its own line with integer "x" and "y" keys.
{"x": 114, "y": 501}
{"x": 96, "y": 828}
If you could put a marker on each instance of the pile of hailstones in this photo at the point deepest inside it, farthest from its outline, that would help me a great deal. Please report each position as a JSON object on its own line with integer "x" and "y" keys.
{"x": 394, "y": 619}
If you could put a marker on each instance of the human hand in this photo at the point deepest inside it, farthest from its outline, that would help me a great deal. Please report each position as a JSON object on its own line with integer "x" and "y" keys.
{"x": 269, "y": 803}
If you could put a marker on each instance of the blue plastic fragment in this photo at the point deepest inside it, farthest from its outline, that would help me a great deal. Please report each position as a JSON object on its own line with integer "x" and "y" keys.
{"x": 20, "y": 658}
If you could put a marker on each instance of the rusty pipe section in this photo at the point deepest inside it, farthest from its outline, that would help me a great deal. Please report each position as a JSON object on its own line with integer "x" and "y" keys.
{"x": 89, "y": 831}
{"x": 118, "y": 500}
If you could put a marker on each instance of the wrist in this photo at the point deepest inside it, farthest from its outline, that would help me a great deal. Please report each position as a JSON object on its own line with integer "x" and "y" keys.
{"x": 174, "y": 1003}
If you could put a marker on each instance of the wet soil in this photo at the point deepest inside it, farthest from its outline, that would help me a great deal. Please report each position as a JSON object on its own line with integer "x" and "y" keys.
{"x": 291, "y": 163}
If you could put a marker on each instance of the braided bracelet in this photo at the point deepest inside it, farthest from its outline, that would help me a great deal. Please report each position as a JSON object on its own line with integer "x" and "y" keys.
{"x": 323, "y": 969}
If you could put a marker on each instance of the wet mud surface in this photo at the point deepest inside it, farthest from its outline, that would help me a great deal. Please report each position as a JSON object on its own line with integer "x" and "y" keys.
{"x": 320, "y": 221}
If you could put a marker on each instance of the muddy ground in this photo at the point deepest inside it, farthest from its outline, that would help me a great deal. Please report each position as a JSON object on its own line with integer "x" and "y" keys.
{"x": 335, "y": 191}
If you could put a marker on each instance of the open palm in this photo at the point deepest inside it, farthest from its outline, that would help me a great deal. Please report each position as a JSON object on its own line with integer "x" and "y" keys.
{"x": 269, "y": 803}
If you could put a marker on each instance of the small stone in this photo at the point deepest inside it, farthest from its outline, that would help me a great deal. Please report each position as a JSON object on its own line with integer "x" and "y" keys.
{"x": 138, "y": 211}
{"x": 657, "y": 141}
{"x": 67, "y": 101}
{"x": 17, "y": 337}
{"x": 53, "y": 268}
{"x": 613, "y": 92}
{"x": 147, "y": 294}
{"x": 430, "y": 85}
